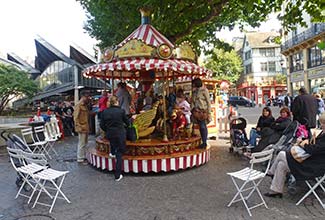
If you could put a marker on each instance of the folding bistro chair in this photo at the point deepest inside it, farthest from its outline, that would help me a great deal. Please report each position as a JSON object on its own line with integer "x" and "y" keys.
{"x": 251, "y": 178}
{"x": 24, "y": 170}
{"x": 319, "y": 181}
{"x": 43, "y": 134}
{"x": 33, "y": 141}
{"x": 43, "y": 177}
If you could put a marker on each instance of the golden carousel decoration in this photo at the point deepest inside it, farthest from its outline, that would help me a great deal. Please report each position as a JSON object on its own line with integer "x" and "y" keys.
{"x": 148, "y": 56}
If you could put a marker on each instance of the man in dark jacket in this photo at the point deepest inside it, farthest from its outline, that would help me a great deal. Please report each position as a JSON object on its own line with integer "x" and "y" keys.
{"x": 304, "y": 109}
{"x": 113, "y": 122}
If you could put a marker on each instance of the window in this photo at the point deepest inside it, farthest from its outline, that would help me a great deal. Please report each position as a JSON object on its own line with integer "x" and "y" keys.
{"x": 297, "y": 62}
{"x": 248, "y": 68}
{"x": 247, "y": 55}
{"x": 316, "y": 56}
{"x": 263, "y": 67}
{"x": 267, "y": 52}
{"x": 272, "y": 66}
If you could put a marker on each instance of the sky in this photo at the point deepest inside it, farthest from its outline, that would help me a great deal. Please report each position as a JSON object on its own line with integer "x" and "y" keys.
{"x": 59, "y": 22}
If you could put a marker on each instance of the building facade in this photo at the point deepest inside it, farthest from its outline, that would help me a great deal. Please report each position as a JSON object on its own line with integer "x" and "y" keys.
{"x": 262, "y": 63}
{"x": 304, "y": 51}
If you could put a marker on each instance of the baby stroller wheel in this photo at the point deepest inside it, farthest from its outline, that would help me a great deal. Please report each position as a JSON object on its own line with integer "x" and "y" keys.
{"x": 19, "y": 181}
{"x": 231, "y": 149}
{"x": 27, "y": 188}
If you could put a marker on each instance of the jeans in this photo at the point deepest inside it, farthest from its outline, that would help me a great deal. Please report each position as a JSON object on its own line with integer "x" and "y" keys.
{"x": 252, "y": 137}
{"x": 118, "y": 146}
{"x": 203, "y": 132}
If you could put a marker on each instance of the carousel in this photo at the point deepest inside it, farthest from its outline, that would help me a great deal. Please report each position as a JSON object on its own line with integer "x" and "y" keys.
{"x": 146, "y": 56}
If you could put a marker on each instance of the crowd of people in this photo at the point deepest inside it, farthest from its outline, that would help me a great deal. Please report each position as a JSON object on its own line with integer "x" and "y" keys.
{"x": 308, "y": 111}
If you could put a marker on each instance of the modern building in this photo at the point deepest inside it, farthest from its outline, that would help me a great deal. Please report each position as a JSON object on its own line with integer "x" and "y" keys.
{"x": 57, "y": 74}
{"x": 262, "y": 62}
{"x": 304, "y": 51}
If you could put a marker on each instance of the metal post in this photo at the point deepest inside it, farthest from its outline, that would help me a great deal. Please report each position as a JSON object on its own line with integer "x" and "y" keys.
{"x": 165, "y": 138}
{"x": 76, "y": 84}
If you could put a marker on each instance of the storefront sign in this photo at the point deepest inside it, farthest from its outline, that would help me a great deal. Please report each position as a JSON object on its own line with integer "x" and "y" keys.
{"x": 316, "y": 73}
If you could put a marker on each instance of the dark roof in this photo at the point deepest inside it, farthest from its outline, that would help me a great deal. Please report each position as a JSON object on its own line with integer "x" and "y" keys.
{"x": 47, "y": 54}
{"x": 14, "y": 58}
{"x": 81, "y": 56}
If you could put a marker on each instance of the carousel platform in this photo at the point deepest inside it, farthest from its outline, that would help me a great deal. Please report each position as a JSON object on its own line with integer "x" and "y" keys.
{"x": 151, "y": 155}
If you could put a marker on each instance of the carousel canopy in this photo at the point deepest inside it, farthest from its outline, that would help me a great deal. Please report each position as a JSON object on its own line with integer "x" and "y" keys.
{"x": 147, "y": 50}
{"x": 131, "y": 68}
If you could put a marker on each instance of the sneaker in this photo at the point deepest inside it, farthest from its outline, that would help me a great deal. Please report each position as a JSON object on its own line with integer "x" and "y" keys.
{"x": 118, "y": 179}
{"x": 203, "y": 146}
{"x": 80, "y": 160}
{"x": 112, "y": 155}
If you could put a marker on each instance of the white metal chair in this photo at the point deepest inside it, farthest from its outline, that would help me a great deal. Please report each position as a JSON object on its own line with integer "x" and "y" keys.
{"x": 24, "y": 170}
{"x": 251, "y": 178}
{"x": 319, "y": 182}
{"x": 44, "y": 134}
{"x": 32, "y": 140}
{"x": 43, "y": 177}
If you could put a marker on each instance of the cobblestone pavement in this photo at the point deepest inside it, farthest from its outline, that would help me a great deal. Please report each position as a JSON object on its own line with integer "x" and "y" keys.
{"x": 195, "y": 194}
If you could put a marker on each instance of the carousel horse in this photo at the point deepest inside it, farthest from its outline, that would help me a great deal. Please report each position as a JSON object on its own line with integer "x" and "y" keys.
{"x": 143, "y": 121}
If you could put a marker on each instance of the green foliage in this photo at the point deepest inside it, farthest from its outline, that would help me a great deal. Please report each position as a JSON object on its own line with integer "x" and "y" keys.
{"x": 13, "y": 83}
{"x": 225, "y": 65}
{"x": 112, "y": 21}
{"x": 281, "y": 78}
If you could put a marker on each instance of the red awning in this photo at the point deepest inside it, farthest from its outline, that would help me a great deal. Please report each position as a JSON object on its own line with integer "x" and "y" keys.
{"x": 129, "y": 68}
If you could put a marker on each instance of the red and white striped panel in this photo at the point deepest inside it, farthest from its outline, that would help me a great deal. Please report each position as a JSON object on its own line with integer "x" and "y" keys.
{"x": 149, "y": 35}
{"x": 152, "y": 165}
{"x": 131, "y": 64}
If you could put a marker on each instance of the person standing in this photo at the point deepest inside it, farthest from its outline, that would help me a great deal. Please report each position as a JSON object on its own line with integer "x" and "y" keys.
{"x": 288, "y": 100}
{"x": 304, "y": 109}
{"x": 124, "y": 97}
{"x": 201, "y": 101}
{"x": 102, "y": 103}
{"x": 81, "y": 120}
{"x": 114, "y": 122}
{"x": 320, "y": 109}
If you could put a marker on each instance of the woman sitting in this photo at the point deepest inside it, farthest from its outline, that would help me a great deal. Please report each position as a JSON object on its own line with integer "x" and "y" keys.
{"x": 264, "y": 121}
{"x": 312, "y": 165}
{"x": 270, "y": 135}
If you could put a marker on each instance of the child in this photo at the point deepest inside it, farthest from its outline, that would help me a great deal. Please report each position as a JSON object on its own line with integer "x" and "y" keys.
{"x": 184, "y": 106}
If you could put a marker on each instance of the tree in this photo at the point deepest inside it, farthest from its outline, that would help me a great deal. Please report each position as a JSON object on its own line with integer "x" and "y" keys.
{"x": 111, "y": 21}
{"x": 281, "y": 78}
{"x": 225, "y": 65}
{"x": 13, "y": 83}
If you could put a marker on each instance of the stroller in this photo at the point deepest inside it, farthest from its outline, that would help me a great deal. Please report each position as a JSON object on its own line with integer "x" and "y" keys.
{"x": 238, "y": 136}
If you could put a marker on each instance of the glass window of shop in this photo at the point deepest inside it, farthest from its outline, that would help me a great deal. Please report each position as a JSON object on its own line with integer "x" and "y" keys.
{"x": 316, "y": 56}
{"x": 297, "y": 62}
{"x": 296, "y": 86}
{"x": 318, "y": 86}
{"x": 56, "y": 74}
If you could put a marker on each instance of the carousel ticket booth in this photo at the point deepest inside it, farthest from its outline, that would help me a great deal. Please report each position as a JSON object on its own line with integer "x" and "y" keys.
{"x": 146, "y": 56}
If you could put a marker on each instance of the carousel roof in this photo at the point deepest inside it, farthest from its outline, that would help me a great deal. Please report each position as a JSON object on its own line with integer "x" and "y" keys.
{"x": 147, "y": 50}
{"x": 149, "y": 35}
{"x": 129, "y": 68}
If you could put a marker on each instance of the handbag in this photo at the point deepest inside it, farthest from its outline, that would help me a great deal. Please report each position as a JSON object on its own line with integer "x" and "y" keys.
{"x": 200, "y": 114}
{"x": 131, "y": 133}
{"x": 298, "y": 153}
